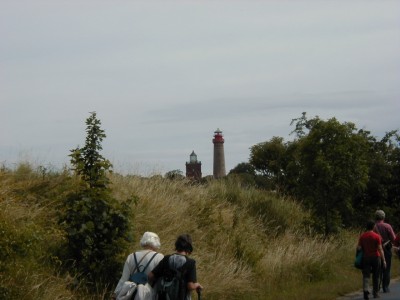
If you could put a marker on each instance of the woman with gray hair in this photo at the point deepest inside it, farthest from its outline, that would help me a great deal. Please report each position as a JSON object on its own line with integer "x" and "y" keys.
{"x": 148, "y": 256}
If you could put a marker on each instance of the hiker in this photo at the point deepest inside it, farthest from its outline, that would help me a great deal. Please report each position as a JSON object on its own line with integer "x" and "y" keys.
{"x": 371, "y": 245}
{"x": 386, "y": 232}
{"x": 150, "y": 243}
{"x": 177, "y": 270}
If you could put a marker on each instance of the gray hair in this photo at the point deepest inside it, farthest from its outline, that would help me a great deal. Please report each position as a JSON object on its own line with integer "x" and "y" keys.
{"x": 380, "y": 215}
{"x": 150, "y": 239}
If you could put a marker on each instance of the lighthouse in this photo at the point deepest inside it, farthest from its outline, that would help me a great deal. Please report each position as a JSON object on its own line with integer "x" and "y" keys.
{"x": 219, "y": 156}
{"x": 193, "y": 167}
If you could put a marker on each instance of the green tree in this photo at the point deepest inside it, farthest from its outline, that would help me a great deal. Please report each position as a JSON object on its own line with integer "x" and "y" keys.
{"x": 274, "y": 160}
{"x": 243, "y": 168}
{"x": 267, "y": 157}
{"x": 383, "y": 176}
{"x": 334, "y": 168}
{"x": 95, "y": 223}
{"x": 87, "y": 161}
{"x": 394, "y": 186}
{"x": 341, "y": 173}
{"x": 245, "y": 174}
{"x": 174, "y": 174}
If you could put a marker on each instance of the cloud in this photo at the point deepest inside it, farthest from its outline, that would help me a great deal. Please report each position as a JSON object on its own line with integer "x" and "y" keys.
{"x": 163, "y": 76}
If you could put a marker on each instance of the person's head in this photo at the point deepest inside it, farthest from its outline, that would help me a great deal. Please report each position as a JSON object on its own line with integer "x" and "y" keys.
{"x": 379, "y": 215}
{"x": 184, "y": 243}
{"x": 370, "y": 225}
{"x": 150, "y": 240}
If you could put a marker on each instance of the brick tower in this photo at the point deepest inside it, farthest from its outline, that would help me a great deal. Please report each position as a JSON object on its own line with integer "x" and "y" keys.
{"x": 219, "y": 156}
{"x": 193, "y": 167}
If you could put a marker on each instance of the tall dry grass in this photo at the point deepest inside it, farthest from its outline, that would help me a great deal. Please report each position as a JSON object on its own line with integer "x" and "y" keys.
{"x": 248, "y": 244}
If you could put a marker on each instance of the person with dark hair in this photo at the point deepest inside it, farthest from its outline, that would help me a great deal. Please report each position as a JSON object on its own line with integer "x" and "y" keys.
{"x": 180, "y": 266}
{"x": 371, "y": 245}
{"x": 386, "y": 232}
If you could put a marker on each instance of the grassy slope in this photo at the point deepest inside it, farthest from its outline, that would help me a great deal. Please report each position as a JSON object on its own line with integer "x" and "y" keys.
{"x": 248, "y": 244}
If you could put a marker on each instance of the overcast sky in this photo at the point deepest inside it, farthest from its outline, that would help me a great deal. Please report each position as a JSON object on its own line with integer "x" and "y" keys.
{"x": 164, "y": 75}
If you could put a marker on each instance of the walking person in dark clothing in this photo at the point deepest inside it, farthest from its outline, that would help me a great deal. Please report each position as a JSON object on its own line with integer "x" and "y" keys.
{"x": 177, "y": 263}
{"x": 371, "y": 245}
{"x": 386, "y": 232}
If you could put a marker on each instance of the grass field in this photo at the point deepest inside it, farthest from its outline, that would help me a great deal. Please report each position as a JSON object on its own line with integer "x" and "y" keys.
{"x": 248, "y": 244}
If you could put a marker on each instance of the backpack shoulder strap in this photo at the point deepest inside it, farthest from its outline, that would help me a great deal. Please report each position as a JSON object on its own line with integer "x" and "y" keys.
{"x": 148, "y": 263}
{"x": 136, "y": 263}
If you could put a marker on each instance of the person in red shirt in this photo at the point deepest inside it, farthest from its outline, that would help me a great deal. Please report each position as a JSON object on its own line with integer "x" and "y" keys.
{"x": 371, "y": 245}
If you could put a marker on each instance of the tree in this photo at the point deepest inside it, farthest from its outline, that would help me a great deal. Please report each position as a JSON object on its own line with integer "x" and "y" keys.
{"x": 274, "y": 160}
{"x": 334, "y": 168}
{"x": 174, "y": 175}
{"x": 394, "y": 186}
{"x": 245, "y": 174}
{"x": 243, "y": 168}
{"x": 339, "y": 172}
{"x": 96, "y": 225}
{"x": 384, "y": 175}
{"x": 88, "y": 161}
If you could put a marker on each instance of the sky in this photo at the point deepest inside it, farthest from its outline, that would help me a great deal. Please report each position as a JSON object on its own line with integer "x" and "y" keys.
{"x": 162, "y": 76}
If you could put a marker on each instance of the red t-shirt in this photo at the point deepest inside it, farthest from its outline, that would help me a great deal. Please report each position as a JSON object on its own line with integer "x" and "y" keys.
{"x": 369, "y": 242}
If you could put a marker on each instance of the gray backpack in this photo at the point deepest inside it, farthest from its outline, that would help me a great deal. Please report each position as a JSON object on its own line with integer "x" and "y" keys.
{"x": 172, "y": 283}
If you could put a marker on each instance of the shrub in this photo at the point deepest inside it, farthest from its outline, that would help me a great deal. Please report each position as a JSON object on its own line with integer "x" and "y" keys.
{"x": 96, "y": 226}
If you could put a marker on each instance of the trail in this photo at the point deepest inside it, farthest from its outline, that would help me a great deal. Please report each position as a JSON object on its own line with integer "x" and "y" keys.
{"x": 393, "y": 295}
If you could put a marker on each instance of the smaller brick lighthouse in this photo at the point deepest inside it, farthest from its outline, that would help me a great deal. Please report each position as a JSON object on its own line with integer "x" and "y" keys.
{"x": 193, "y": 167}
{"x": 219, "y": 156}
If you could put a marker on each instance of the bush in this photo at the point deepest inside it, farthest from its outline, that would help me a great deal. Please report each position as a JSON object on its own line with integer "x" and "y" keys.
{"x": 96, "y": 227}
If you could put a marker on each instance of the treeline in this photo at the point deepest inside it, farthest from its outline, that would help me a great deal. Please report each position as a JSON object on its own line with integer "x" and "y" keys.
{"x": 341, "y": 173}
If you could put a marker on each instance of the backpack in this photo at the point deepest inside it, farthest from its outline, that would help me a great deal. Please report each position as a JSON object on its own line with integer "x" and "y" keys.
{"x": 172, "y": 284}
{"x": 140, "y": 277}
{"x": 358, "y": 262}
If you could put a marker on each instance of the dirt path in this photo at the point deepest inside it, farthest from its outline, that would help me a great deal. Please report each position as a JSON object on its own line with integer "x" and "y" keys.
{"x": 393, "y": 295}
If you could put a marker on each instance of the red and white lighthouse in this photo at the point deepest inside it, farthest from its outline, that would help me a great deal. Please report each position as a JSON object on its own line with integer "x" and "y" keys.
{"x": 219, "y": 156}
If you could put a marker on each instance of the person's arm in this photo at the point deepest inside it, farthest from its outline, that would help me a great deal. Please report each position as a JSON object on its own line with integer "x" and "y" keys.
{"x": 191, "y": 286}
{"x": 192, "y": 283}
{"x": 391, "y": 234}
{"x": 150, "y": 278}
{"x": 359, "y": 247}
{"x": 396, "y": 243}
{"x": 380, "y": 249}
{"x": 125, "y": 275}
{"x": 158, "y": 270}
